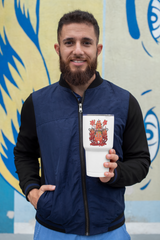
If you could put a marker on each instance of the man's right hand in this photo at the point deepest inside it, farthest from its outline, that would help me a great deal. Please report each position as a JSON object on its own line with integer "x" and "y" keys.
{"x": 35, "y": 194}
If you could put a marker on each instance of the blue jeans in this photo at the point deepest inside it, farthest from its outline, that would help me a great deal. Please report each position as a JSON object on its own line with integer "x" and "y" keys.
{"x": 43, "y": 233}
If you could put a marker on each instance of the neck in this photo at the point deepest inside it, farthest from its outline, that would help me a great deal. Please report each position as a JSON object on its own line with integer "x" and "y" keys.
{"x": 81, "y": 88}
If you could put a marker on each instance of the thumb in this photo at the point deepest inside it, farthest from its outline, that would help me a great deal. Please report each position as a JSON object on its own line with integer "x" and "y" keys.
{"x": 45, "y": 188}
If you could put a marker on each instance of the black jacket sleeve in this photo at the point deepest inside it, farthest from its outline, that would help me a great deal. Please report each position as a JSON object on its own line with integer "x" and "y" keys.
{"x": 27, "y": 150}
{"x": 136, "y": 157}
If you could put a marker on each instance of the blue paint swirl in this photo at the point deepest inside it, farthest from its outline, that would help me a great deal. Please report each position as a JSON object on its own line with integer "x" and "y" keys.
{"x": 8, "y": 149}
{"x": 150, "y": 131}
{"x": 153, "y": 19}
{"x": 146, "y": 50}
{"x": 131, "y": 19}
{"x": 6, "y": 57}
{"x": 152, "y": 128}
{"x": 145, "y": 186}
{"x": 27, "y": 27}
{"x": 150, "y": 90}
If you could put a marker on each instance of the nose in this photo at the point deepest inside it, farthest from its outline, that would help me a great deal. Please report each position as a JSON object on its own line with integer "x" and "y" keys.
{"x": 78, "y": 49}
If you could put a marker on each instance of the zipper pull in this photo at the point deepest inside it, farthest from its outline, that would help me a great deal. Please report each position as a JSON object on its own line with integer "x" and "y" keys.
{"x": 80, "y": 108}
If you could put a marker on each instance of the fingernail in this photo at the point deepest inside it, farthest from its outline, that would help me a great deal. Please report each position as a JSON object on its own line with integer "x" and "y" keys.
{"x": 108, "y": 156}
{"x": 106, "y": 164}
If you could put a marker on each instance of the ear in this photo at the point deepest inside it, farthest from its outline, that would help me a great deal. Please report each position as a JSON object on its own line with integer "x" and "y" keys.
{"x": 99, "y": 48}
{"x": 56, "y": 47}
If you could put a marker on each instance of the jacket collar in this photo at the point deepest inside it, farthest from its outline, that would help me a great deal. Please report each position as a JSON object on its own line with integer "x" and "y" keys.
{"x": 97, "y": 81}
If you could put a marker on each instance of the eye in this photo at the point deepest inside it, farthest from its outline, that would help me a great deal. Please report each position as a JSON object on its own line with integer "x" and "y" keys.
{"x": 69, "y": 43}
{"x": 87, "y": 43}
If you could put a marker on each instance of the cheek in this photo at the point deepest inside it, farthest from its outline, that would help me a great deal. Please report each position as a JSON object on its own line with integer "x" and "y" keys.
{"x": 65, "y": 53}
{"x": 92, "y": 53}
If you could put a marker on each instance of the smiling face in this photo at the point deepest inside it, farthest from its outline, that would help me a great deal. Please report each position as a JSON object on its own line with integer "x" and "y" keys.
{"x": 78, "y": 51}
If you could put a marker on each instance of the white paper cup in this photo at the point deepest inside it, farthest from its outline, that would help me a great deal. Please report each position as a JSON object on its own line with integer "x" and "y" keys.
{"x": 98, "y": 132}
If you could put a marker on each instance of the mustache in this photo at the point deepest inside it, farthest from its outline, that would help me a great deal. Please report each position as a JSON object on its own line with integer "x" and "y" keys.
{"x": 78, "y": 57}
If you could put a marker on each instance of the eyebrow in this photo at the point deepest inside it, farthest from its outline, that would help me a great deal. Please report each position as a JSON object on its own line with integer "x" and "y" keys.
{"x": 88, "y": 39}
{"x": 83, "y": 39}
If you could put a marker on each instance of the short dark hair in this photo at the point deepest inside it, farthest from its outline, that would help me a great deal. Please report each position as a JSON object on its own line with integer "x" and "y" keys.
{"x": 78, "y": 16}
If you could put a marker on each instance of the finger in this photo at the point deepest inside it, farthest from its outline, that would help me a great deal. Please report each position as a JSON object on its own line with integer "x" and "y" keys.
{"x": 110, "y": 165}
{"x": 104, "y": 179}
{"x": 45, "y": 188}
{"x": 112, "y": 151}
{"x": 109, "y": 174}
{"x": 112, "y": 157}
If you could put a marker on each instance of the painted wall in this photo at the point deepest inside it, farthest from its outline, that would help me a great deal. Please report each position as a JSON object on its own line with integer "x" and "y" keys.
{"x": 130, "y": 33}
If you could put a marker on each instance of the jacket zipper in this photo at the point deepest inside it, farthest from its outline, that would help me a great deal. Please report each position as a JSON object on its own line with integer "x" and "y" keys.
{"x": 83, "y": 170}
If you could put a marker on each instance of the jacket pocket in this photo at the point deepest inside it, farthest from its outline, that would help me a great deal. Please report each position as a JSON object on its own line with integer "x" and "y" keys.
{"x": 44, "y": 204}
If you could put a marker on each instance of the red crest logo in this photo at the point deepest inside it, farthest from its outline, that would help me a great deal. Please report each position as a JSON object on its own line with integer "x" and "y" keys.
{"x": 98, "y": 133}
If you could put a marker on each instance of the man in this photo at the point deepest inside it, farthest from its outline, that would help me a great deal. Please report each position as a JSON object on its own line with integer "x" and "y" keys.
{"x": 70, "y": 204}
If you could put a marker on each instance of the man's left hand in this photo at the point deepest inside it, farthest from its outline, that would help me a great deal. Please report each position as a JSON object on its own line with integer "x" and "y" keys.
{"x": 113, "y": 157}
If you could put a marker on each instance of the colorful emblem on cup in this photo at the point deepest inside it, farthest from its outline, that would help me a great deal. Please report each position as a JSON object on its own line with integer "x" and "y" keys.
{"x": 98, "y": 133}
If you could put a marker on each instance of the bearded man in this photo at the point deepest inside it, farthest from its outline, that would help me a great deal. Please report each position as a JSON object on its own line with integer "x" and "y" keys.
{"x": 70, "y": 204}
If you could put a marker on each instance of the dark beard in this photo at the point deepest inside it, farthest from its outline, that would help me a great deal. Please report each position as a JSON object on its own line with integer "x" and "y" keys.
{"x": 78, "y": 77}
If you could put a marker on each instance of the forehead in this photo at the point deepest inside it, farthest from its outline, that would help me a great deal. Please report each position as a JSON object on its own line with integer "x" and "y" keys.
{"x": 78, "y": 30}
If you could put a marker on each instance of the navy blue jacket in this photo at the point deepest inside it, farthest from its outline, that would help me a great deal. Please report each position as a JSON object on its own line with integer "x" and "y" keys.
{"x": 53, "y": 131}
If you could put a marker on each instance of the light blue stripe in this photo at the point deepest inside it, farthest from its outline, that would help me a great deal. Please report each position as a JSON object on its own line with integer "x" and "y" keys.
{"x": 104, "y": 37}
{"x": 142, "y": 211}
{"x": 6, "y": 204}
{"x": 24, "y": 211}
